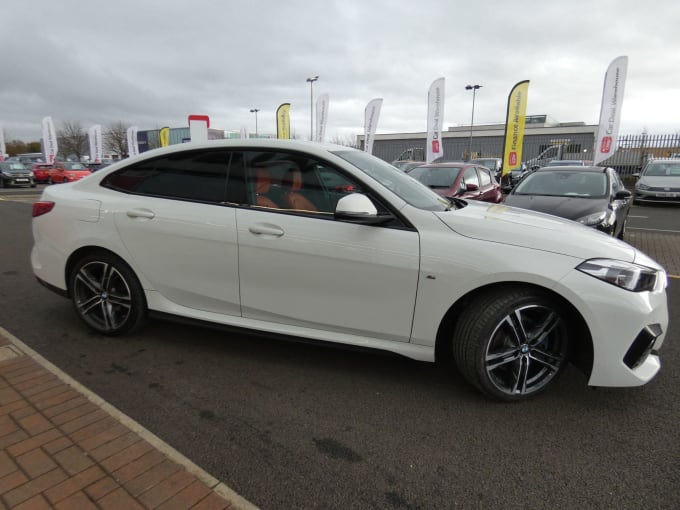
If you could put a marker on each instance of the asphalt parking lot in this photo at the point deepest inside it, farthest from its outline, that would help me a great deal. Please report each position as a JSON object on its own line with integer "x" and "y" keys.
{"x": 300, "y": 426}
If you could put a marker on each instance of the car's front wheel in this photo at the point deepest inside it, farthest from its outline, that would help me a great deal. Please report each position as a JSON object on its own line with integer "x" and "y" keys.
{"x": 107, "y": 295}
{"x": 511, "y": 344}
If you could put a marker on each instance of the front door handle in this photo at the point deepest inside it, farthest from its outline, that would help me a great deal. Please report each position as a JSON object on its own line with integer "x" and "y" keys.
{"x": 266, "y": 229}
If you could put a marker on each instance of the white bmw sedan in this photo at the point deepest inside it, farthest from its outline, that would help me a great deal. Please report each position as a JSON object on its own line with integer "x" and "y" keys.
{"x": 330, "y": 243}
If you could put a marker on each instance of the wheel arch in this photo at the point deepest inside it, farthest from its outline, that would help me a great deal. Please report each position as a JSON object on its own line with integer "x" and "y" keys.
{"x": 581, "y": 350}
{"x": 82, "y": 252}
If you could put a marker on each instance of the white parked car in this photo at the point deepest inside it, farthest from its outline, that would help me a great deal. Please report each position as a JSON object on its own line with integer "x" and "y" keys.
{"x": 330, "y": 243}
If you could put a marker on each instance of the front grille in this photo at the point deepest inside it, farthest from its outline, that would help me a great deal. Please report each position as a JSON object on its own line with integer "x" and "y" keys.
{"x": 642, "y": 346}
{"x": 657, "y": 188}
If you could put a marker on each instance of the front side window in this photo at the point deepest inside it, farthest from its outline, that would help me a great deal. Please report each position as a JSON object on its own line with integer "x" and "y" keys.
{"x": 484, "y": 177}
{"x": 295, "y": 182}
{"x": 470, "y": 177}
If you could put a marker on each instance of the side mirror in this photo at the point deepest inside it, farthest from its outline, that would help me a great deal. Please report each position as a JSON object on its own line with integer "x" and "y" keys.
{"x": 506, "y": 189}
{"x": 636, "y": 175}
{"x": 471, "y": 187}
{"x": 358, "y": 208}
{"x": 624, "y": 194}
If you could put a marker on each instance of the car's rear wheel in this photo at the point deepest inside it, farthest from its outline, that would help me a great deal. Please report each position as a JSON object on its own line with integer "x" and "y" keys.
{"x": 107, "y": 295}
{"x": 511, "y": 344}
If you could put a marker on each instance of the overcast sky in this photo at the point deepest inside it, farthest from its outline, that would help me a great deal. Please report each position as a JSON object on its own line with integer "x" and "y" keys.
{"x": 152, "y": 63}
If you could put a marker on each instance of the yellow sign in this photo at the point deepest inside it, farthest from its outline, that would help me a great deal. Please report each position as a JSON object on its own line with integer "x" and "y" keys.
{"x": 164, "y": 135}
{"x": 514, "y": 127}
{"x": 283, "y": 122}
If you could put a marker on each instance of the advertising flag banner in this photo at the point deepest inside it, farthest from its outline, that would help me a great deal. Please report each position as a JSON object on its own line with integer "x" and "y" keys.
{"x": 321, "y": 117}
{"x": 371, "y": 116}
{"x": 95, "y": 138}
{"x": 515, "y": 121}
{"x": 3, "y": 147}
{"x": 49, "y": 135}
{"x": 435, "y": 119}
{"x": 164, "y": 136}
{"x": 283, "y": 122}
{"x": 133, "y": 146}
{"x": 610, "y": 111}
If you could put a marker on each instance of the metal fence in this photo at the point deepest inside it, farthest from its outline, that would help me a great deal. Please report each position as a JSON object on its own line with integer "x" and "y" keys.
{"x": 631, "y": 152}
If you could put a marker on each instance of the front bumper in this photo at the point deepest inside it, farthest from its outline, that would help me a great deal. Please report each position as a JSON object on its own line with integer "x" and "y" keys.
{"x": 660, "y": 197}
{"x": 18, "y": 181}
{"x": 627, "y": 329}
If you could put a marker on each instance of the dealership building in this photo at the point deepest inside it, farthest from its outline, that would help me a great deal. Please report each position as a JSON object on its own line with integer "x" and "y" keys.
{"x": 486, "y": 140}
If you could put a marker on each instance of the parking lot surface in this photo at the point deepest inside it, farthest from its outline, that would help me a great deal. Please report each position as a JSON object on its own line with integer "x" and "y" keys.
{"x": 298, "y": 426}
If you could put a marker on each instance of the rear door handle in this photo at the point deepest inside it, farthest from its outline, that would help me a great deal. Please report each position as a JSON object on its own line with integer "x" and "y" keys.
{"x": 141, "y": 213}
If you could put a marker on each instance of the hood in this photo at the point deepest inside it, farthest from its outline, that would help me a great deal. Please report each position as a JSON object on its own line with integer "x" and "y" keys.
{"x": 660, "y": 181}
{"x": 499, "y": 223}
{"x": 14, "y": 171}
{"x": 571, "y": 208}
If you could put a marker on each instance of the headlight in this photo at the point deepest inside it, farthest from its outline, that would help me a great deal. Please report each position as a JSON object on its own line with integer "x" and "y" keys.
{"x": 626, "y": 275}
{"x": 641, "y": 186}
{"x": 605, "y": 218}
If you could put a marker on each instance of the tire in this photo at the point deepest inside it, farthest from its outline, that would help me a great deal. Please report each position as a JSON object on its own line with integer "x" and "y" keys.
{"x": 107, "y": 295}
{"x": 511, "y": 344}
{"x": 50, "y": 181}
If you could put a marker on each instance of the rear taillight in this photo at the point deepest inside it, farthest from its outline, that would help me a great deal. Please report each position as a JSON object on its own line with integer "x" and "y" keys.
{"x": 40, "y": 208}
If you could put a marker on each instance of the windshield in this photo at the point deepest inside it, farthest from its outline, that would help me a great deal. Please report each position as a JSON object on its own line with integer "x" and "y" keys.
{"x": 435, "y": 177}
{"x": 564, "y": 184}
{"x": 663, "y": 169}
{"x": 399, "y": 183}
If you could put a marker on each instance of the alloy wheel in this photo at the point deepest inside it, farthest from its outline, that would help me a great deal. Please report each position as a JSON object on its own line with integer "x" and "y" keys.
{"x": 102, "y": 296}
{"x": 526, "y": 350}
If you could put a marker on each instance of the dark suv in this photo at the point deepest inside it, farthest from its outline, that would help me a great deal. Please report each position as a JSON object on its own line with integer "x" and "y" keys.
{"x": 13, "y": 173}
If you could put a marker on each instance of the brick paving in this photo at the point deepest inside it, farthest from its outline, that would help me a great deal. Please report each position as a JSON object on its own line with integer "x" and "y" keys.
{"x": 661, "y": 246}
{"x": 60, "y": 447}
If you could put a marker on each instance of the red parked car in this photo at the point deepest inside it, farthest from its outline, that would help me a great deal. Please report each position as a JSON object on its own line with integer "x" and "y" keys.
{"x": 459, "y": 180}
{"x": 68, "y": 171}
{"x": 41, "y": 171}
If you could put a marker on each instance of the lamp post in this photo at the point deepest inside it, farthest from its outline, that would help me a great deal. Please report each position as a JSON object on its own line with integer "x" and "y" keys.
{"x": 311, "y": 106}
{"x": 474, "y": 89}
{"x": 255, "y": 110}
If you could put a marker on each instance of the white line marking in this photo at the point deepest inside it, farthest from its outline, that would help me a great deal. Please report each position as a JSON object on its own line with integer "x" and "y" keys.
{"x": 654, "y": 230}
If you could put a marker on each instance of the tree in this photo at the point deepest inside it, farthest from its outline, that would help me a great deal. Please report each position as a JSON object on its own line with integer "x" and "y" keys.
{"x": 15, "y": 147}
{"x": 72, "y": 140}
{"x": 115, "y": 138}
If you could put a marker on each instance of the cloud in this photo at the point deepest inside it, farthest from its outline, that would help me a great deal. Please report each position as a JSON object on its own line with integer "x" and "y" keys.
{"x": 152, "y": 63}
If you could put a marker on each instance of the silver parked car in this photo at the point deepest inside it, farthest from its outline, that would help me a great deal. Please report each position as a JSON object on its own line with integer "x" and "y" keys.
{"x": 659, "y": 182}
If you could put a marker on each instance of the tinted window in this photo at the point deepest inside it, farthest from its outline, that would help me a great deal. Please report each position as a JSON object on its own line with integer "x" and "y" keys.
{"x": 199, "y": 176}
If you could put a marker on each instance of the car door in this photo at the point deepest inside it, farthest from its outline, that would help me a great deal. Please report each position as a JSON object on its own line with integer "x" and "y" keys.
{"x": 174, "y": 218}
{"x": 305, "y": 269}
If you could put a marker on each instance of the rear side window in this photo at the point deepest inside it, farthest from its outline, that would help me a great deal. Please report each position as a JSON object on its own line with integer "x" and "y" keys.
{"x": 196, "y": 176}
